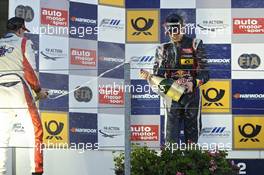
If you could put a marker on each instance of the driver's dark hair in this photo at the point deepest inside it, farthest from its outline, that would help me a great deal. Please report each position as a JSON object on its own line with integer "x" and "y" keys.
{"x": 174, "y": 18}
{"x": 14, "y": 24}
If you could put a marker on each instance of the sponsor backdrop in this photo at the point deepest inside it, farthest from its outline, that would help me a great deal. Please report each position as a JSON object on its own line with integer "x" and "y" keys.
{"x": 75, "y": 41}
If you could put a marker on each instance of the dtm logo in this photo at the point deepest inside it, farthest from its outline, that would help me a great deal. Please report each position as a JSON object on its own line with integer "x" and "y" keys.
{"x": 248, "y": 131}
{"x": 213, "y": 100}
{"x": 54, "y": 129}
{"x": 84, "y": 94}
{"x": 249, "y": 61}
{"x": 142, "y": 28}
{"x": 24, "y": 12}
{"x": 4, "y": 50}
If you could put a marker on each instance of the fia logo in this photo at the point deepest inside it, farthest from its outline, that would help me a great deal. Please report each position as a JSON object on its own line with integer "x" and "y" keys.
{"x": 254, "y": 131}
{"x": 142, "y": 28}
{"x": 213, "y": 100}
{"x": 249, "y": 61}
{"x": 54, "y": 132}
{"x": 83, "y": 94}
{"x": 25, "y": 12}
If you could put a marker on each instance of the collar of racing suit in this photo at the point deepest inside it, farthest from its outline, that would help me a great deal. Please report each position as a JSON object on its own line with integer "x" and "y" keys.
{"x": 9, "y": 35}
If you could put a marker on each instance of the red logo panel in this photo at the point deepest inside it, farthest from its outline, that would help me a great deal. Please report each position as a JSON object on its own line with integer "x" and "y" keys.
{"x": 248, "y": 25}
{"x": 110, "y": 95}
{"x": 83, "y": 57}
{"x": 144, "y": 132}
{"x": 54, "y": 17}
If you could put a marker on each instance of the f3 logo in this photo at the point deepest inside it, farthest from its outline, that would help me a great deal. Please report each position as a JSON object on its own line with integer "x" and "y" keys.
{"x": 213, "y": 100}
{"x": 254, "y": 131}
{"x": 54, "y": 132}
{"x": 142, "y": 28}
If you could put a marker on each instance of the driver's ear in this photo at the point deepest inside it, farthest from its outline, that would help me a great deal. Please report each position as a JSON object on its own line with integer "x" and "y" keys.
{"x": 20, "y": 31}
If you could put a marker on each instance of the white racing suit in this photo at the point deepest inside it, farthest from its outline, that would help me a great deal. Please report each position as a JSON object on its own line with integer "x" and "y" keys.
{"x": 17, "y": 80}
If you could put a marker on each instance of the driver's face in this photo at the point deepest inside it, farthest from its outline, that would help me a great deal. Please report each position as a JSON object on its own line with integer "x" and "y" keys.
{"x": 174, "y": 31}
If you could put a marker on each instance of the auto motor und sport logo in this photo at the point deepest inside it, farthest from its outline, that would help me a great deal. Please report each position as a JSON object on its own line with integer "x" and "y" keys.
{"x": 248, "y": 25}
{"x": 215, "y": 132}
{"x": 144, "y": 132}
{"x": 83, "y": 57}
{"x": 213, "y": 100}
{"x": 212, "y": 25}
{"x": 53, "y": 54}
{"x": 108, "y": 95}
{"x": 54, "y": 17}
{"x": 54, "y": 129}
{"x": 110, "y": 23}
{"x": 249, "y": 61}
{"x": 249, "y": 132}
{"x": 142, "y": 29}
{"x": 25, "y": 12}
{"x": 83, "y": 94}
{"x": 111, "y": 131}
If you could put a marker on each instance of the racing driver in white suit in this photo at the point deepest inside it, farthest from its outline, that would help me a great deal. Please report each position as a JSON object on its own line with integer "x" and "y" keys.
{"x": 18, "y": 83}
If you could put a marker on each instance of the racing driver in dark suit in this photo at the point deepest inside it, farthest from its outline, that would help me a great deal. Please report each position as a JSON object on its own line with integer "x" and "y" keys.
{"x": 182, "y": 59}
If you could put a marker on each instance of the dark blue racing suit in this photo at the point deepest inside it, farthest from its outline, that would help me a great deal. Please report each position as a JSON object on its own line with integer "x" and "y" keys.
{"x": 183, "y": 61}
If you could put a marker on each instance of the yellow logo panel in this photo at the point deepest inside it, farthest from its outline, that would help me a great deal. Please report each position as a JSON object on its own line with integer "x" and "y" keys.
{"x": 216, "y": 97}
{"x": 55, "y": 126}
{"x": 248, "y": 132}
{"x": 142, "y": 26}
{"x": 186, "y": 61}
{"x": 113, "y": 2}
